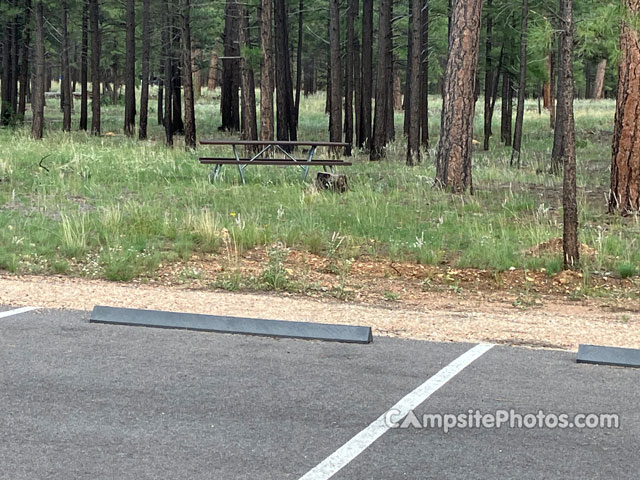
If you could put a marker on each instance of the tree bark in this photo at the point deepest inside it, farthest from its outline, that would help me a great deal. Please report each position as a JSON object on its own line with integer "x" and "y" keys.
{"x": 168, "y": 75}
{"x": 286, "y": 125}
{"x": 130, "y": 70}
{"x": 65, "y": 87}
{"x": 15, "y": 73}
{"x": 229, "y": 103}
{"x": 406, "y": 101}
{"x": 488, "y": 78}
{"x": 413, "y": 142}
{"x": 570, "y": 207}
{"x": 335, "y": 113}
{"x": 364, "y": 137}
{"x": 548, "y": 89}
{"x": 189, "y": 107}
{"x": 299, "y": 58}
{"x": 176, "y": 55}
{"x": 160, "y": 103}
{"x": 352, "y": 13}
{"x": 24, "y": 61}
{"x": 625, "y": 160}
{"x": 249, "y": 122}
{"x": 453, "y": 163}
{"x": 212, "y": 81}
{"x": 598, "y": 86}
{"x": 266, "y": 69}
{"x": 384, "y": 82}
{"x": 507, "y": 108}
{"x": 557, "y": 152}
{"x": 517, "y": 139}
{"x": 424, "y": 75}
{"x": 84, "y": 66}
{"x": 7, "y": 113}
{"x": 146, "y": 52}
{"x": 37, "y": 96}
{"x": 94, "y": 20}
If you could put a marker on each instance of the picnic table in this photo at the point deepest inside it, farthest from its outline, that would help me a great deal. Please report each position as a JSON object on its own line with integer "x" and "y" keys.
{"x": 263, "y": 148}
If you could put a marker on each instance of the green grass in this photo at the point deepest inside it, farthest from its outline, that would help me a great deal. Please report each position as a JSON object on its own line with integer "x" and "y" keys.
{"x": 116, "y": 208}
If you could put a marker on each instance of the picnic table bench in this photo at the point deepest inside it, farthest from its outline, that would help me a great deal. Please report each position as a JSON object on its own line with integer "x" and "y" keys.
{"x": 263, "y": 147}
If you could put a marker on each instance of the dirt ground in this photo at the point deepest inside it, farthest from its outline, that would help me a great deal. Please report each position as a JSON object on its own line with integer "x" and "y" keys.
{"x": 396, "y": 299}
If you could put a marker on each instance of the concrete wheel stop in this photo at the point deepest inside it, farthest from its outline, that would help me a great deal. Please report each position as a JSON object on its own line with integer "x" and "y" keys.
{"x": 615, "y": 356}
{"x": 234, "y": 325}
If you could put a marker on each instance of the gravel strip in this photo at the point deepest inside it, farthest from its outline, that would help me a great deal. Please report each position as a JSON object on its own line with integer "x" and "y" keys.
{"x": 439, "y": 317}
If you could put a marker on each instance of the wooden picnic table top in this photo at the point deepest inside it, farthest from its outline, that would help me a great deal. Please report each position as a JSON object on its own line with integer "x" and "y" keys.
{"x": 283, "y": 143}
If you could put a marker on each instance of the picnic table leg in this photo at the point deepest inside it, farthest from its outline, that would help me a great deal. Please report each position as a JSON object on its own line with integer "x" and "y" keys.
{"x": 312, "y": 151}
{"x": 213, "y": 176}
{"x": 235, "y": 154}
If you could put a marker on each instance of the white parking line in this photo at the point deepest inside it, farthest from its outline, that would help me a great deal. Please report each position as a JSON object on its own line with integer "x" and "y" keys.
{"x": 358, "y": 444}
{"x": 17, "y": 311}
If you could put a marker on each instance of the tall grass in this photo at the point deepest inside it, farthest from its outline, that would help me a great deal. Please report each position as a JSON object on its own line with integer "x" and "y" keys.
{"x": 120, "y": 207}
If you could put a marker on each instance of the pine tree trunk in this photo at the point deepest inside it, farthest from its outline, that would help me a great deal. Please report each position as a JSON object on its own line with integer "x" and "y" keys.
{"x": 146, "y": 52}
{"x": 349, "y": 69}
{"x": 14, "y": 65}
{"x": 160, "y": 99}
{"x": 335, "y": 108}
{"x": 37, "y": 96}
{"x": 397, "y": 91}
{"x": 453, "y": 163}
{"x": 84, "y": 66}
{"x": 189, "y": 107}
{"x": 507, "y": 108}
{"x": 588, "y": 78}
{"x": 249, "y": 123}
{"x": 357, "y": 83}
{"x": 557, "y": 152}
{"x": 413, "y": 142}
{"x": 424, "y": 75}
{"x": 598, "y": 86}
{"x": 384, "y": 79}
{"x": 552, "y": 89}
{"x": 67, "y": 99}
{"x": 168, "y": 75}
{"x": 625, "y": 159}
{"x": 299, "y": 58}
{"x": 212, "y": 80}
{"x": 178, "y": 123}
{"x": 5, "y": 113}
{"x": 517, "y": 138}
{"x": 488, "y": 79}
{"x": 196, "y": 60}
{"x": 286, "y": 125}
{"x": 266, "y": 69}
{"x": 24, "y": 61}
{"x": 570, "y": 207}
{"x": 229, "y": 103}
{"x": 130, "y": 71}
{"x": 94, "y": 16}
{"x": 364, "y": 137}
{"x": 546, "y": 86}
{"x": 407, "y": 84}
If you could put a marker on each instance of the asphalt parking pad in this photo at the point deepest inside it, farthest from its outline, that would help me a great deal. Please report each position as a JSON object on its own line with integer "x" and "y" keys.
{"x": 237, "y": 325}
{"x": 526, "y": 381}
{"x": 89, "y": 401}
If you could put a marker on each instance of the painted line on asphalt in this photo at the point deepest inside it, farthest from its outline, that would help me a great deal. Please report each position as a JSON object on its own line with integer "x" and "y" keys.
{"x": 359, "y": 443}
{"x": 17, "y": 311}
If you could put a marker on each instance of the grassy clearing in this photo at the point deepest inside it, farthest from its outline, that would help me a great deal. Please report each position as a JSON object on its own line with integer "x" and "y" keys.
{"x": 117, "y": 208}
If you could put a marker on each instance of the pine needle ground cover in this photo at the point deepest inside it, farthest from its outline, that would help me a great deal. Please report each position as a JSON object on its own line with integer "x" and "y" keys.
{"x": 116, "y": 208}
